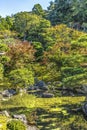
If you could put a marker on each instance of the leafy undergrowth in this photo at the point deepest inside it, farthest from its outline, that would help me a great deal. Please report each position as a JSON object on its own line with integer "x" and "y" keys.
{"x": 48, "y": 114}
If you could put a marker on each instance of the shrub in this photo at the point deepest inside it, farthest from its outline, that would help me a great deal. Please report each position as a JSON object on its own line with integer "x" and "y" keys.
{"x": 15, "y": 125}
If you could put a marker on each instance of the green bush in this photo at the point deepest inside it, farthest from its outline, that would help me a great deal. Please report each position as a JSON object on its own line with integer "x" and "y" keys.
{"x": 15, "y": 125}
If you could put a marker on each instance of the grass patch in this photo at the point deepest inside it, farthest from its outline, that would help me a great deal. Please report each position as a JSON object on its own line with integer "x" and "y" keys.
{"x": 47, "y": 113}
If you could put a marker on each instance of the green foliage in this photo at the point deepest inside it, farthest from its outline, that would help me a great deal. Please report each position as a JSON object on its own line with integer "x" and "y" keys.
{"x": 1, "y": 73}
{"x": 37, "y": 9}
{"x": 15, "y": 125}
{"x": 69, "y": 66}
{"x": 6, "y": 23}
{"x": 23, "y": 22}
{"x": 21, "y": 55}
{"x": 55, "y": 53}
{"x": 60, "y": 11}
{"x": 6, "y": 34}
{"x": 21, "y": 77}
{"x": 9, "y": 21}
{"x": 39, "y": 50}
{"x": 60, "y": 33}
{"x": 3, "y": 50}
{"x": 70, "y": 12}
{"x": 3, "y": 47}
{"x": 67, "y": 56}
{"x": 29, "y": 30}
{"x": 3, "y": 24}
{"x": 8, "y": 41}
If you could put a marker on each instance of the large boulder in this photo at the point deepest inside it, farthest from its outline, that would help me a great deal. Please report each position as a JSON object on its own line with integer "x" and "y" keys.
{"x": 41, "y": 85}
{"x": 47, "y": 95}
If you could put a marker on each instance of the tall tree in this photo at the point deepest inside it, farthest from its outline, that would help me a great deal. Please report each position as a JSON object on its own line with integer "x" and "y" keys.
{"x": 70, "y": 12}
{"x": 38, "y": 10}
{"x": 60, "y": 11}
{"x": 30, "y": 26}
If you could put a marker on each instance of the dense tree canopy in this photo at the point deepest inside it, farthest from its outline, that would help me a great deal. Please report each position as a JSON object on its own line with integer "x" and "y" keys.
{"x": 33, "y": 48}
{"x": 70, "y": 12}
{"x": 29, "y": 26}
{"x": 44, "y": 53}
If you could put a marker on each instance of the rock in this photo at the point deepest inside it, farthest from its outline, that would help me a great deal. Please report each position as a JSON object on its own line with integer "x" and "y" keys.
{"x": 41, "y": 85}
{"x": 2, "y": 53}
{"x": 6, "y": 113}
{"x": 85, "y": 88}
{"x": 76, "y": 110}
{"x": 30, "y": 88}
{"x": 5, "y": 99}
{"x": 80, "y": 91}
{"x": 22, "y": 90}
{"x": 84, "y": 108}
{"x": 12, "y": 91}
{"x": 8, "y": 92}
{"x": 21, "y": 117}
{"x": 67, "y": 93}
{"x": 34, "y": 87}
{"x": 32, "y": 128}
{"x": 49, "y": 83}
{"x": 47, "y": 95}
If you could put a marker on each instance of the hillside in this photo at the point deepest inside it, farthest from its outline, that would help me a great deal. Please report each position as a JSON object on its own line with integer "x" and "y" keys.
{"x": 43, "y": 67}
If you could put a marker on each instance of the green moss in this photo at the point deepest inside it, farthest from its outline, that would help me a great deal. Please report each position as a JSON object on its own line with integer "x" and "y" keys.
{"x": 48, "y": 113}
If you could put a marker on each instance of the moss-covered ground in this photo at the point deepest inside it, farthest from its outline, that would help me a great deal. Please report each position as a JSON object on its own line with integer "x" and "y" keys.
{"x": 3, "y": 121}
{"x": 47, "y": 113}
